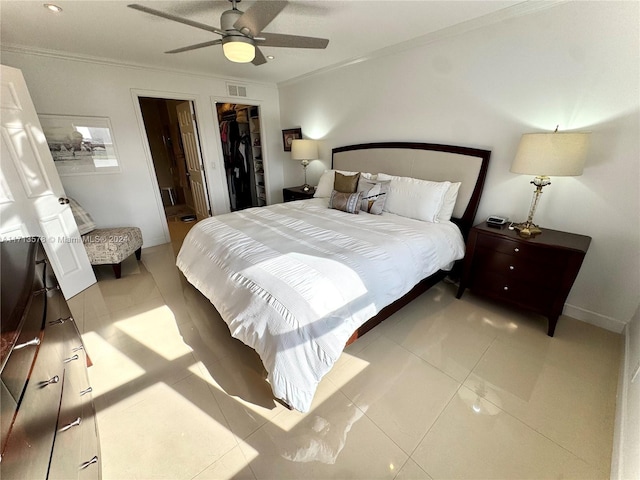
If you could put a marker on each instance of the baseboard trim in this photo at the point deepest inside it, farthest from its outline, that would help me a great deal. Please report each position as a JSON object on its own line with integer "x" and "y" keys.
{"x": 617, "y": 461}
{"x": 593, "y": 318}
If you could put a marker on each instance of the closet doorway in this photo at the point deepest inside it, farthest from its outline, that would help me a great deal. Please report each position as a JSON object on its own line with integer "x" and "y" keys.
{"x": 175, "y": 151}
{"x": 243, "y": 156}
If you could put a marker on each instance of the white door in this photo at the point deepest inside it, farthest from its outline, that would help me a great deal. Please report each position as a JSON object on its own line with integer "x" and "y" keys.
{"x": 195, "y": 169}
{"x": 32, "y": 200}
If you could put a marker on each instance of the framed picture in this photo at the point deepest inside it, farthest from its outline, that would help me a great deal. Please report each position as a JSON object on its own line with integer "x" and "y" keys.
{"x": 289, "y": 136}
{"x": 80, "y": 145}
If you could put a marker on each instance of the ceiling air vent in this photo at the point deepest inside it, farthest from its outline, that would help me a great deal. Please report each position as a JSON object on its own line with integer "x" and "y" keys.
{"x": 236, "y": 90}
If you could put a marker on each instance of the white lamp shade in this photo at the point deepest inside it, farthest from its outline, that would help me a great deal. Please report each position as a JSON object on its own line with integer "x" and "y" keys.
{"x": 304, "y": 150}
{"x": 551, "y": 154}
{"x": 239, "y": 49}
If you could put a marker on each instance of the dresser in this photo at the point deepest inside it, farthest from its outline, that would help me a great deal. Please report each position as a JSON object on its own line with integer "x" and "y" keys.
{"x": 48, "y": 427}
{"x": 535, "y": 273}
{"x": 297, "y": 193}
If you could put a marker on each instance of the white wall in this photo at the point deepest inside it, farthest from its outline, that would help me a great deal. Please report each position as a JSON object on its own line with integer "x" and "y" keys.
{"x": 65, "y": 86}
{"x": 574, "y": 65}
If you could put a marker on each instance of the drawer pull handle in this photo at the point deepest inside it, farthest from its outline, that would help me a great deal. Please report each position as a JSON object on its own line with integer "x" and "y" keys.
{"x": 505, "y": 288}
{"x": 90, "y": 462}
{"x": 33, "y": 342}
{"x": 516, "y": 249}
{"x": 46, "y": 289}
{"x": 70, "y": 359}
{"x": 52, "y": 380}
{"x": 75, "y": 423}
{"x": 85, "y": 391}
{"x": 77, "y": 349}
{"x": 60, "y": 320}
{"x": 511, "y": 267}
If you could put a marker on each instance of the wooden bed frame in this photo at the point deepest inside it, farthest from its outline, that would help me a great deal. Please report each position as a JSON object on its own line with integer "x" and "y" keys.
{"x": 424, "y": 161}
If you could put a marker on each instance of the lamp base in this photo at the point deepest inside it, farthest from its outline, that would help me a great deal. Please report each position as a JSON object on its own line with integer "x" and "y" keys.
{"x": 527, "y": 229}
{"x": 306, "y": 187}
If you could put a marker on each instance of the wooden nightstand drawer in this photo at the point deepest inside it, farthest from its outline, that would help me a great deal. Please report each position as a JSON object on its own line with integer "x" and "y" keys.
{"x": 518, "y": 249}
{"x": 535, "y": 273}
{"x": 516, "y": 268}
{"x": 532, "y": 296}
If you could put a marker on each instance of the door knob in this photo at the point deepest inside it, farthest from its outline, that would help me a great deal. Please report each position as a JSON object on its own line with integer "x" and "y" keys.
{"x": 63, "y": 201}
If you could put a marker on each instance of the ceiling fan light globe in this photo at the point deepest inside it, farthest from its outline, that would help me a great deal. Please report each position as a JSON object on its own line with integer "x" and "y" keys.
{"x": 239, "y": 49}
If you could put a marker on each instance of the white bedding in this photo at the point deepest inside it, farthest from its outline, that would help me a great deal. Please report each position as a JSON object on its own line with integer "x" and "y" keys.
{"x": 295, "y": 280}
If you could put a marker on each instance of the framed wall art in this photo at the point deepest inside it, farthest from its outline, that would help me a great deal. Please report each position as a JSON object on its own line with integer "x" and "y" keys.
{"x": 289, "y": 136}
{"x": 80, "y": 145}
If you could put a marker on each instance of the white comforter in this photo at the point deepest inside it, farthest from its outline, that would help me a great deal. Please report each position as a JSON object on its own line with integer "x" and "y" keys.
{"x": 295, "y": 280}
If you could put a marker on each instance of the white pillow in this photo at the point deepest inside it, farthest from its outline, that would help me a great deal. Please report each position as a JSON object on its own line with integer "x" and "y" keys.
{"x": 449, "y": 202}
{"x": 414, "y": 198}
{"x": 325, "y": 184}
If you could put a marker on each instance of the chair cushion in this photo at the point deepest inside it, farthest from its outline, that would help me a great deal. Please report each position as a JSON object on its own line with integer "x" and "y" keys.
{"x": 111, "y": 245}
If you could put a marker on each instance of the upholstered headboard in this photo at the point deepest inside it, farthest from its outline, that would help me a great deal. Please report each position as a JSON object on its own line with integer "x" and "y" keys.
{"x": 427, "y": 162}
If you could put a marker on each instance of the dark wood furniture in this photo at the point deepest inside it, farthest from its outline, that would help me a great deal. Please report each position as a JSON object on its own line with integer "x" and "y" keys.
{"x": 48, "y": 427}
{"x": 425, "y": 161}
{"x": 296, "y": 193}
{"x": 535, "y": 273}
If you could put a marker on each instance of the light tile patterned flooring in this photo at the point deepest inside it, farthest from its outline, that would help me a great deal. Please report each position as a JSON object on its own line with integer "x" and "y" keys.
{"x": 445, "y": 388}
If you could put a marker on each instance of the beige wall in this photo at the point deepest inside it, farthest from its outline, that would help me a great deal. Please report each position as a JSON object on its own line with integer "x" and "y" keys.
{"x": 66, "y": 86}
{"x": 575, "y": 65}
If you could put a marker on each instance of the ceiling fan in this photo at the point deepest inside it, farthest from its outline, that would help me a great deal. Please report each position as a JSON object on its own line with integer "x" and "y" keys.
{"x": 242, "y": 33}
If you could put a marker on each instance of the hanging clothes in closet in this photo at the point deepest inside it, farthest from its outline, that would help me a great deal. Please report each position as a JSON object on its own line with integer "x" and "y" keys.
{"x": 236, "y": 164}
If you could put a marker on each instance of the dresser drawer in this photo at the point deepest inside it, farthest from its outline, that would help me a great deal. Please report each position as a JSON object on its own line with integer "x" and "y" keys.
{"x": 28, "y": 448}
{"x": 515, "y": 268}
{"x": 529, "y": 251}
{"x": 48, "y": 427}
{"x": 90, "y": 467}
{"x": 76, "y": 451}
{"x": 20, "y": 361}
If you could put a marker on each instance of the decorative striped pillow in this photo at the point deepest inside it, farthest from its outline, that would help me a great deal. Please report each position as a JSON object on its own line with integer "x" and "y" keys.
{"x": 346, "y": 202}
{"x": 82, "y": 218}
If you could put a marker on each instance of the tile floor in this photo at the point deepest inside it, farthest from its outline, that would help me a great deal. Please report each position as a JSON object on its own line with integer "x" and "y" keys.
{"x": 445, "y": 388}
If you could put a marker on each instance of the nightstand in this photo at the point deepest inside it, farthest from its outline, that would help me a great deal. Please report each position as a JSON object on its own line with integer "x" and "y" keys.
{"x": 297, "y": 193}
{"x": 534, "y": 273}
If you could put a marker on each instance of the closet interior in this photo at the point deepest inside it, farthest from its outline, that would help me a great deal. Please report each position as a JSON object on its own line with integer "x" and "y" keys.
{"x": 242, "y": 152}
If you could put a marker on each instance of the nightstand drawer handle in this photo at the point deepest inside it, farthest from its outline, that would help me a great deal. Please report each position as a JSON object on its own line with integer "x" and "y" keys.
{"x": 85, "y": 391}
{"x": 516, "y": 250}
{"x": 505, "y": 288}
{"x": 511, "y": 267}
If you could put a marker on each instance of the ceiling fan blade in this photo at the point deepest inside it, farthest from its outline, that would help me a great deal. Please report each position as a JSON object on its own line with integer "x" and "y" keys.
{"x": 197, "y": 45}
{"x": 292, "y": 41}
{"x": 259, "y": 15}
{"x": 168, "y": 16}
{"x": 259, "y": 58}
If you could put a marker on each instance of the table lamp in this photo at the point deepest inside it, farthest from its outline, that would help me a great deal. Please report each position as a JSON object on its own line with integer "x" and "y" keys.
{"x": 304, "y": 150}
{"x": 546, "y": 155}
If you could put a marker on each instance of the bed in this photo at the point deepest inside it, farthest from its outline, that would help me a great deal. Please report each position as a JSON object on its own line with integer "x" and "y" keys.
{"x": 298, "y": 281}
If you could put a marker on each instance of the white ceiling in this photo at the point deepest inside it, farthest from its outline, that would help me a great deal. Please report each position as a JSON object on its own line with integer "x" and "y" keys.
{"x": 109, "y": 30}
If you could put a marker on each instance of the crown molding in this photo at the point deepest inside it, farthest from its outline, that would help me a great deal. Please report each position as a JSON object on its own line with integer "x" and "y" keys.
{"x": 518, "y": 10}
{"x": 59, "y": 55}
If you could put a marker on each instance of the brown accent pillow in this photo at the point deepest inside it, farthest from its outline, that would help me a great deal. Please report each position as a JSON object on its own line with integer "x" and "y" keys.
{"x": 346, "y": 202}
{"x": 346, "y": 183}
